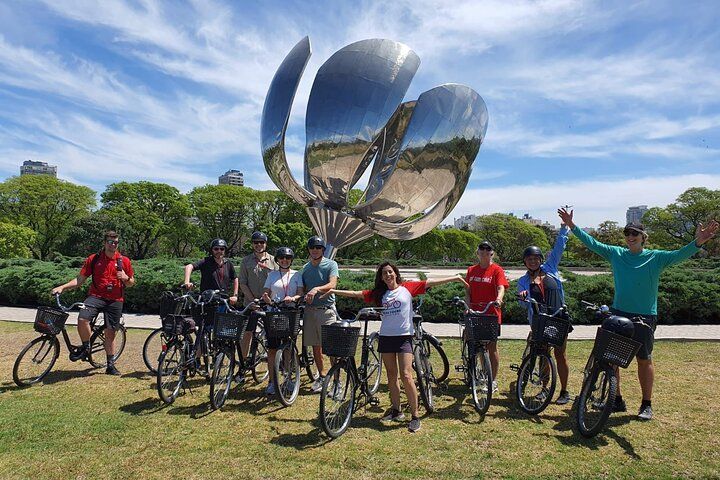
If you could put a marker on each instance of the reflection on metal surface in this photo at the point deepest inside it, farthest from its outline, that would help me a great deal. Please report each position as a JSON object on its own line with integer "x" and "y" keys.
{"x": 421, "y": 151}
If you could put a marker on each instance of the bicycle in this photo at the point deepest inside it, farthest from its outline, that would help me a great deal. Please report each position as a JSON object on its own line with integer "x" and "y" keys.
{"x": 157, "y": 340}
{"x": 283, "y": 323}
{"x": 30, "y": 365}
{"x": 537, "y": 373}
{"x": 348, "y": 386}
{"x": 436, "y": 355}
{"x": 597, "y": 395}
{"x": 477, "y": 330}
{"x": 182, "y": 356}
{"x": 422, "y": 365}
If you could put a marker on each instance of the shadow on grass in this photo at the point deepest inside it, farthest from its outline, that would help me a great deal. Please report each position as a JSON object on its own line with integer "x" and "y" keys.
{"x": 461, "y": 407}
{"x": 144, "y": 407}
{"x": 567, "y": 423}
{"x": 140, "y": 375}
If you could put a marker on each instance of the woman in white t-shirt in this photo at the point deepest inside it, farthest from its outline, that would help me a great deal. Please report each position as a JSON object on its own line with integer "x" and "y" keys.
{"x": 396, "y": 332}
{"x": 283, "y": 285}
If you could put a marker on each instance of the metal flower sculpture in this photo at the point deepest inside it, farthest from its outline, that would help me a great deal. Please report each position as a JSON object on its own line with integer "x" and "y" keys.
{"x": 421, "y": 151}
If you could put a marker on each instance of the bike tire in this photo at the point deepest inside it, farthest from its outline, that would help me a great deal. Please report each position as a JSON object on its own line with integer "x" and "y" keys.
{"x": 287, "y": 374}
{"x": 373, "y": 368}
{"x": 221, "y": 379}
{"x": 534, "y": 390}
{"x": 423, "y": 371}
{"x": 39, "y": 350}
{"x": 96, "y": 355}
{"x": 153, "y": 344}
{"x": 171, "y": 371}
{"x": 309, "y": 362}
{"x": 481, "y": 381}
{"x": 438, "y": 358}
{"x": 596, "y": 400}
{"x": 259, "y": 358}
{"x": 337, "y": 399}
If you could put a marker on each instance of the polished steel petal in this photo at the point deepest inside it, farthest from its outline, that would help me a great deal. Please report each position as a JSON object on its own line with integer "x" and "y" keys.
{"x": 339, "y": 229}
{"x": 440, "y": 143}
{"x": 353, "y": 96}
{"x": 275, "y": 115}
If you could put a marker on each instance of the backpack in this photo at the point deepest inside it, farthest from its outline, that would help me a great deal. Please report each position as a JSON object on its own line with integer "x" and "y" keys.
{"x": 94, "y": 261}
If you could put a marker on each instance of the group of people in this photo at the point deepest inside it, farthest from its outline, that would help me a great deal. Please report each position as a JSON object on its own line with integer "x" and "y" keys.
{"x": 636, "y": 272}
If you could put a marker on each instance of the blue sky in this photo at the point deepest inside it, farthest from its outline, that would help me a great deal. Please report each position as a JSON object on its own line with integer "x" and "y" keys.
{"x": 601, "y": 105}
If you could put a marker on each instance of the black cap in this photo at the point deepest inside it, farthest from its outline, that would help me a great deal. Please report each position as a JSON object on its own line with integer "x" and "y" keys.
{"x": 485, "y": 243}
{"x": 638, "y": 227}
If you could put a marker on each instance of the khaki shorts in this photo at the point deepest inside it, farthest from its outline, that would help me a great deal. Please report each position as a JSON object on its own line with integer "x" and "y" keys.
{"x": 313, "y": 319}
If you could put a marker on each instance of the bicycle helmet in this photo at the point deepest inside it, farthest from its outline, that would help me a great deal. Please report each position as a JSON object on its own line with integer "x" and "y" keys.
{"x": 284, "y": 252}
{"x": 316, "y": 241}
{"x": 259, "y": 237}
{"x": 533, "y": 250}
{"x": 620, "y": 325}
{"x": 218, "y": 242}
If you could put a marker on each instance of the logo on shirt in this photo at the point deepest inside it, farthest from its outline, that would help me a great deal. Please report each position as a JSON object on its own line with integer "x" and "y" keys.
{"x": 481, "y": 279}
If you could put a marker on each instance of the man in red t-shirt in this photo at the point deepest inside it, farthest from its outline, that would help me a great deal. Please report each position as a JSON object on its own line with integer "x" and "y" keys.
{"x": 111, "y": 273}
{"x": 487, "y": 284}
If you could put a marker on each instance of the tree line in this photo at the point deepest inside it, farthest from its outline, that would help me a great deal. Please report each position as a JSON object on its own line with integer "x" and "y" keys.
{"x": 43, "y": 217}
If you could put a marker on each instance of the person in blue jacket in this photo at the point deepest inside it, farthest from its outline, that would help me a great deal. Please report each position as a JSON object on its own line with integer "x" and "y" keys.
{"x": 542, "y": 283}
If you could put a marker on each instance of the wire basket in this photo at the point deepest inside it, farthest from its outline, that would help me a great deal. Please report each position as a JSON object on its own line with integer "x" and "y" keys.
{"x": 169, "y": 304}
{"x": 614, "y": 349}
{"x": 481, "y": 328}
{"x": 550, "y": 330}
{"x": 177, "y": 325}
{"x": 49, "y": 320}
{"x": 282, "y": 324}
{"x": 339, "y": 341}
{"x": 230, "y": 325}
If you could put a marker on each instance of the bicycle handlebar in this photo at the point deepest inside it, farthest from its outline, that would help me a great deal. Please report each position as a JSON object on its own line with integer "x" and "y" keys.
{"x": 367, "y": 312}
{"x": 459, "y": 302}
{"x": 605, "y": 310}
{"x": 536, "y": 305}
{"x": 67, "y": 309}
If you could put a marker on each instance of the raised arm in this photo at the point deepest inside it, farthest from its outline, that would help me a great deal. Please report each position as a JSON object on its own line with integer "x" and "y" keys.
{"x": 439, "y": 281}
{"x": 702, "y": 235}
{"x": 553, "y": 260}
{"x": 599, "y": 248}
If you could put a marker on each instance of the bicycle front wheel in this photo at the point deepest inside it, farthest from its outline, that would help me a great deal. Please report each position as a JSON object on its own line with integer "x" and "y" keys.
{"x": 423, "y": 370}
{"x": 337, "y": 399}
{"x": 536, "y": 382}
{"x": 373, "y": 369}
{"x": 96, "y": 355}
{"x": 481, "y": 381}
{"x": 152, "y": 348}
{"x": 596, "y": 400}
{"x": 259, "y": 358}
{"x": 221, "y": 379}
{"x": 438, "y": 358}
{"x": 287, "y": 374}
{"x": 171, "y": 372}
{"x": 36, "y": 360}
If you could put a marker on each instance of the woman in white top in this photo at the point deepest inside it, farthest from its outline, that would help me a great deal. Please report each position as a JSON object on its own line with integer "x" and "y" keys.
{"x": 283, "y": 285}
{"x": 396, "y": 332}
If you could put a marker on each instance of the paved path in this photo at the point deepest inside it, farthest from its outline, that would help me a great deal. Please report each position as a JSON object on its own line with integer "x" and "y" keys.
{"x": 581, "y": 332}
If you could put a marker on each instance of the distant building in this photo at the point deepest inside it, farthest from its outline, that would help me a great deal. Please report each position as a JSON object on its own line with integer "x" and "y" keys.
{"x": 635, "y": 214}
{"x": 532, "y": 221}
{"x": 465, "y": 221}
{"x": 30, "y": 167}
{"x": 232, "y": 177}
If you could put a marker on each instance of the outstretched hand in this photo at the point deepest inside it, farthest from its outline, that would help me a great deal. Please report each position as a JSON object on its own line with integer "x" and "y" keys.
{"x": 705, "y": 233}
{"x": 566, "y": 217}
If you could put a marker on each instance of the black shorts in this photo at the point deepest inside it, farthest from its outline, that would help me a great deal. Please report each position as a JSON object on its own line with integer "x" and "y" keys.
{"x": 273, "y": 343}
{"x": 395, "y": 344}
{"x": 644, "y": 335}
{"x": 111, "y": 308}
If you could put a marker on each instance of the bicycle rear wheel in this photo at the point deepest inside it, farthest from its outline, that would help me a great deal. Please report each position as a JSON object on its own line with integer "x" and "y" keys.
{"x": 596, "y": 400}
{"x": 536, "y": 382}
{"x": 423, "y": 370}
{"x": 438, "y": 358}
{"x": 337, "y": 399}
{"x": 287, "y": 374}
{"x": 152, "y": 348}
{"x": 259, "y": 358}
{"x": 373, "y": 368}
{"x": 222, "y": 377}
{"x": 481, "y": 381}
{"x": 96, "y": 355}
{"x": 36, "y": 360}
{"x": 171, "y": 371}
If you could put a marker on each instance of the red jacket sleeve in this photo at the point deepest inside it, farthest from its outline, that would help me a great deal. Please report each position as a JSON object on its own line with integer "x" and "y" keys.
{"x": 416, "y": 287}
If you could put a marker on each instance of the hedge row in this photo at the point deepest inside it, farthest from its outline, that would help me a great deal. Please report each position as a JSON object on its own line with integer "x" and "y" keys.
{"x": 687, "y": 295}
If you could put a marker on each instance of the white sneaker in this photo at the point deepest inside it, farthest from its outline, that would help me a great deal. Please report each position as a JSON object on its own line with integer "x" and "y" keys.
{"x": 317, "y": 385}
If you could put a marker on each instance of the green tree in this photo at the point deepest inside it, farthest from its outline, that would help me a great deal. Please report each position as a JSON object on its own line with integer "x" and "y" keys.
{"x": 143, "y": 212}
{"x": 46, "y": 205}
{"x": 15, "y": 240}
{"x": 85, "y": 236}
{"x": 291, "y": 234}
{"x": 509, "y": 235}
{"x": 459, "y": 245}
{"x": 610, "y": 233}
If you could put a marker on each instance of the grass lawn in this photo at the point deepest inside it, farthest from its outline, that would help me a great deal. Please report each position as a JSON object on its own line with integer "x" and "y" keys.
{"x": 84, "y": 424}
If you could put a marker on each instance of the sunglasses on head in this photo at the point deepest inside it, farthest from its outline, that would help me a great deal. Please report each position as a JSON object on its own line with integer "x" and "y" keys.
{"x": 285, "y": 257}
{"x": 631, "y": 233}
{"x": 112, "y": 242}
{"x": 487, "y": 249}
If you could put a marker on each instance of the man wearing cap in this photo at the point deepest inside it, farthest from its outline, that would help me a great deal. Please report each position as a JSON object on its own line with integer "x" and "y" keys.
{"x": 319, "y": 275}
{"x": 636, "y": 274}
{"x": 254, "y": 270}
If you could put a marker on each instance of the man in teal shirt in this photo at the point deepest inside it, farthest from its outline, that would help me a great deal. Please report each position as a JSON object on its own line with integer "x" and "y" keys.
{"x": 636, "y": 274}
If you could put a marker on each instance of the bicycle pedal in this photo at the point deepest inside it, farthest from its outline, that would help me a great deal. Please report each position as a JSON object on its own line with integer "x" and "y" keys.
{"x": 374, "y": 401}
{"x": 459, "y": 368}
{"x": 515, "y": 367}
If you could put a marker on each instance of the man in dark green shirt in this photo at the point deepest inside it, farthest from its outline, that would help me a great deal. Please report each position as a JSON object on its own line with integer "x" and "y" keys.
{"x": 636, "y": 274}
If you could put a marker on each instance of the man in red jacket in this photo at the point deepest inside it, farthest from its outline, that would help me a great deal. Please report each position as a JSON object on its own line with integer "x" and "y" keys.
{"x": 111, "y": 273}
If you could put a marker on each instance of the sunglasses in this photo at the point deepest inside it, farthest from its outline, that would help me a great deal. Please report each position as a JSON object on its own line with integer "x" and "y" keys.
{"x": 285, "y": 257}
{"x": 487, "y": 249}
{"x": 631, "y": 233}
{"x": 259, "y": 243}
{"x": 316, "y": 247}
{"x": 218, "y": 249}
{"x": 112, "y": 242}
